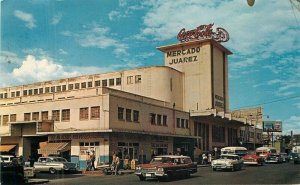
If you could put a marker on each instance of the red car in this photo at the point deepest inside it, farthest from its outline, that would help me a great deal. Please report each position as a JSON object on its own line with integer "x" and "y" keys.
{"x": 166, "y": 167}
{"x": 251, "y": 158}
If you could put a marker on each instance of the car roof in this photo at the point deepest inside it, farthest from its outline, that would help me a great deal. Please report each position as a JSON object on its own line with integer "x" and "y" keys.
{"x": 229, "y": 155}
{"x": 172, "y": 156}
{"x": 6, "y": 156}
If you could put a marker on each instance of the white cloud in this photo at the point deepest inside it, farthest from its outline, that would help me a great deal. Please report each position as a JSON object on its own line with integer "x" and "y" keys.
{"x": 26, "y": 17}
{"x": 56, "y": 19}
{"x": 114, "y": 15}
{"x": 63, "y": 52}
{"x": 99, "y": 37}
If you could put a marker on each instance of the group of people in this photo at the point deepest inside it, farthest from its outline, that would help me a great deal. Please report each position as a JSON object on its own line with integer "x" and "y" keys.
{"x": 206, "y": 159}
{"x": 90, "y": 159}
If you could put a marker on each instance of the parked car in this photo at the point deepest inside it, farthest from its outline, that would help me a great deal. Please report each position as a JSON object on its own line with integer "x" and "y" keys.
{"x": 11, "y": 173}
{"x": 296, "y": 159}
{"x": 166, "y": 167}
{"x": 54, "y": 164}
{"x": 227, "y": 161}
{"x": 274, "y": 158}
{"x": 251, "y": 158}
{"x": 285, "y": 157}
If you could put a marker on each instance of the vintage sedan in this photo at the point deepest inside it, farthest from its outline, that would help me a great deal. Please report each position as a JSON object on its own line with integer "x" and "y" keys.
{"x": 274, "y": 158}
{"x": 251, "y": 158}
{"x": 166, "y": 167}
{"x": 54, "y": 164}
{"x": 227, "y": 161}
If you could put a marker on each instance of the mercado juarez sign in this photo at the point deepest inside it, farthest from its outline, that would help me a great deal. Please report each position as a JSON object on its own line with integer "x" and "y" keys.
{"x": 203, "y": 32}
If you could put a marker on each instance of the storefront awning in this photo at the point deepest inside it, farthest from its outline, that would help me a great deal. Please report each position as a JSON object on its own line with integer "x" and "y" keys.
{"x": 54, "y": 148}
{"x": 6, "y": 148}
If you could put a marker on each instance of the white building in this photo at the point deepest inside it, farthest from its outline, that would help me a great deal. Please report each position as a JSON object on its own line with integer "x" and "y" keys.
{"x": 179, "y": 107}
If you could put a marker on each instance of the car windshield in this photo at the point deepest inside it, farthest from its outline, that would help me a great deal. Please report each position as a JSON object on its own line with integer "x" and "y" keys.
{"x": 60, "y": 160}
{"x": 158, "y": 160}
{"x": 251, "y": 153}
{"x": 228, "y": 157}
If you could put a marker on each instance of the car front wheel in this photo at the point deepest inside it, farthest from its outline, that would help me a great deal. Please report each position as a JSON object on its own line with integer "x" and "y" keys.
{"x": 142, "y": 178}
{"x": 52, "y": 170}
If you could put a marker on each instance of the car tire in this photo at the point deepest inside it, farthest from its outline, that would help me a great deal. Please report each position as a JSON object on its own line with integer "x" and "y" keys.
{"x": 142, "y": 178}
{"x": 52, "y": 170}
{"x": 214, "y": 169}
{"x": 168, "y": 177}
{"x": 233, "y": 169}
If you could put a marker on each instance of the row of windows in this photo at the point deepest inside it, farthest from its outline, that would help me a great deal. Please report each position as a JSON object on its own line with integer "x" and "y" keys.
{"x": 182, "y": 123}
{"x": 218, "y": 133}
{"x": 158, "y": 119}
{"x": 82, "y": 85}
{"x": 130, "y": 115}
{"x": 57, "y": 115}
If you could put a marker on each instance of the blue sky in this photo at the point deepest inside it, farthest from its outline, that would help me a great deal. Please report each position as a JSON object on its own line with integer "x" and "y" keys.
{"x": 44, "y": 40}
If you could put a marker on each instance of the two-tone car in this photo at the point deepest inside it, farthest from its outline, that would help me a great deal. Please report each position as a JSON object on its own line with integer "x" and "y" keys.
{"x": 54, "y": 165}
{"x": 251, "y": 158}
{"x": 166, "y": 167}
{"x": 274, "y": 158}
{"x": 227, "y": 162}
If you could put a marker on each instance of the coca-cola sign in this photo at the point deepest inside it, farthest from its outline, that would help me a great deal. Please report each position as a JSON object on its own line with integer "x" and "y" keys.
{"x": 203, "y": 32}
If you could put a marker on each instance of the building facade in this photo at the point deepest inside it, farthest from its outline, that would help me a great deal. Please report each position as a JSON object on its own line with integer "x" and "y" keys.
{"x": 181, "y": 107}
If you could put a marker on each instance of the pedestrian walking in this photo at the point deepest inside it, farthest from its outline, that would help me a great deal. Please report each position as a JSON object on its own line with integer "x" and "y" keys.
{"x": 93, "y": 158}
{"x": 204, "y": 159}
{"x": 209, "y": 158}
{"x": 115, "y": 164}
{"x": 88, "y": 162}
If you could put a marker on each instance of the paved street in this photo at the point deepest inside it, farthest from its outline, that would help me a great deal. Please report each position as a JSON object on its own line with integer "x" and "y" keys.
{"x": 286, "y": 173}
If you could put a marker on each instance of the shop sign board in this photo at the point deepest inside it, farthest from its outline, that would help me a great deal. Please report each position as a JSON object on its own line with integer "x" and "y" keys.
{"x": 272, "y": 126}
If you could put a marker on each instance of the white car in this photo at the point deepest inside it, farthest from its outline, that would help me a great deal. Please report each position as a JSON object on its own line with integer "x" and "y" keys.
{"x": 227, "y": 161}
{"x": 54, "y": 164}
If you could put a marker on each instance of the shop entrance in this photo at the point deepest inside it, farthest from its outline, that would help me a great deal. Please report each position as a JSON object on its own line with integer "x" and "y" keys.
{"x": 31, "y": 146}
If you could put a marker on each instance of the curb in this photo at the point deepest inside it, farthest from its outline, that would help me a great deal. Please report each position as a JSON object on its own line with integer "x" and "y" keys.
{"x": 37, "y": 181}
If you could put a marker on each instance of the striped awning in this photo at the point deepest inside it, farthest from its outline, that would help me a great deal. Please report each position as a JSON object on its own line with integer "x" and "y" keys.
{"x": 6, "y": 148}
{"x": 54, "y": 148}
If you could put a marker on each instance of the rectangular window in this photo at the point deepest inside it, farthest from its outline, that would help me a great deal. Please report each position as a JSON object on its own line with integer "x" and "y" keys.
{"x": 118, "y": 81}
{"x": 90, "y": 84}
{"x": 13, "y": 118}
{"x": 64, "y": 87}
{"x": 25, "y": 93}
{"x": 71, "y": 86}
{"x": 53, "y": 89}
{"x": 5, "y": 119}
{"x": 186, "y": 123}
{"x": 178, "y": 122}
{"x": 129, "y": 79}
{"x": 84, "y": 113}
{"x": 55, "y": 115}
{"x": 58, "y": 88}
{"x": 158, "y": 119}
{"x": 138, "y": 79}
{"x": 27, "y": 116}
{"x": 165, "y": 120}
{"x": 95, "y": 112}
{"x": 0, "y": 120}
{"x": 36, "y": 91}
{"x": 83, "y": 85}
{"x": 218, "y": 134}
{"x": 41, "y": 90}
{"x": 111, "y": 82}
{"x": 136, "y": 115}
{"x": 77, "y": 85}
{"x": 5, "y": 95}
{"x": 12, "y": 94}
{"x": 171, "y": 84}
{"x": 120, "y": 113}
{"x": 30, "y": 92}
{"x": 44, "y": 115}
{"x": 65, "y": 115}
{"x": 97, "y": 83}
{"x": 1, "y": 96}
{"x": 35, "y": 116}
{"x": 182, "y": 123}
{"x": 104, "y": 83}
{"x": 128, "y": 115}
{"x": 18, "y": 93}
{"x": 47, "y": 89}
{"x": 152, "y": 118}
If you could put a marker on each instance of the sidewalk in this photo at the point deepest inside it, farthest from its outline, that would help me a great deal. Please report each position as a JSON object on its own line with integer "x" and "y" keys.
{"x": 37, "y": 181}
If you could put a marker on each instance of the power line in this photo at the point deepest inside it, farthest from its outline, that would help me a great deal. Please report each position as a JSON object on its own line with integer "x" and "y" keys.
{"x": 269, "y": 102}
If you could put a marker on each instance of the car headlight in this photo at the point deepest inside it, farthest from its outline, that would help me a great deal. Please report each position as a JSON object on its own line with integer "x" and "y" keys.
{"x": 138, "y": 168}
{"x": 160, "y": 169}
{"x": 228, "y": 163}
